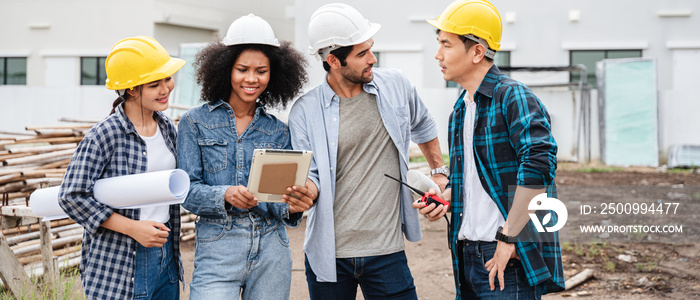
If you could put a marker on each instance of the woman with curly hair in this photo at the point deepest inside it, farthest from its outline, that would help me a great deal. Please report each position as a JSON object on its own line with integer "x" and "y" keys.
{"x": 242, "y": 247}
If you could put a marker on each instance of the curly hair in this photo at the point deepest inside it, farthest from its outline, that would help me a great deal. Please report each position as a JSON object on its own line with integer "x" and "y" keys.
{"x": 287, "y": 72}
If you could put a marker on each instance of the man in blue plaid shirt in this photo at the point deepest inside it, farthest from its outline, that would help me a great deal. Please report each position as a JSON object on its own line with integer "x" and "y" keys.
{"x": 511, "y": 159}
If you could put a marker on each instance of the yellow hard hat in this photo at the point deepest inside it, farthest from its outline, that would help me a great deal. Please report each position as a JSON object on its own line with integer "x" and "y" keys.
{"x": 476, "y": 17}
{"x": 138, "y": 60}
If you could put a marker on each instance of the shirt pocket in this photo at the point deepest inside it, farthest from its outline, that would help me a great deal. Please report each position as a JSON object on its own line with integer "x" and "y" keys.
{"x": 267, "y": 145}
{"x": 403, "y": 116}
{"x": 213, "y": 154}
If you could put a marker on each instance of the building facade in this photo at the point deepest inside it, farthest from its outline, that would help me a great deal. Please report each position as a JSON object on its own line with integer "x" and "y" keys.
{"x": 62, "y": 43}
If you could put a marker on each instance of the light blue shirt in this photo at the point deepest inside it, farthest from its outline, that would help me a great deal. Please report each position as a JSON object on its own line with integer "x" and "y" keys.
{"x": 313, "y": 123}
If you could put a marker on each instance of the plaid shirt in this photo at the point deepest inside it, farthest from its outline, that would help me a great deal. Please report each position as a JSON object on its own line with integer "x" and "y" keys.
{"x": 513, "y": 145}
{"x": 110, "y": 148}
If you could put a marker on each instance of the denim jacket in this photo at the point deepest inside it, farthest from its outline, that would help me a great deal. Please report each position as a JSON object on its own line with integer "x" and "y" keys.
{"x": 215, "y": 157}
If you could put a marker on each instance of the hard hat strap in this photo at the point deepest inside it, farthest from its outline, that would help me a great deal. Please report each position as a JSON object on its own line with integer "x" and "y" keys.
{"x": 490, "y": 53}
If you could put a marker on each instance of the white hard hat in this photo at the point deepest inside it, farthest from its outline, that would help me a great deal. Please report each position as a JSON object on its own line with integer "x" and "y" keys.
{"x": 250, "y": 29}
{"x": 337, "y": 25}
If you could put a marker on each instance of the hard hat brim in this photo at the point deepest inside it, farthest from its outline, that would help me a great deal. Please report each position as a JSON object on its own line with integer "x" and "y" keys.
{"x": 437, "y": 25}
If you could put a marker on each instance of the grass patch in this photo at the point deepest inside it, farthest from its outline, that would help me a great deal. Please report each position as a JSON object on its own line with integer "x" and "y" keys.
{"x": 445, "y": 159}
{"x": 67, "y": 287}
{"x": 585, "y": 249}
{"x": 609, "y": 266}
{"x": 599, "y": 170}
{"x": 646, "y": 267}
{"x": 680, "y": 171}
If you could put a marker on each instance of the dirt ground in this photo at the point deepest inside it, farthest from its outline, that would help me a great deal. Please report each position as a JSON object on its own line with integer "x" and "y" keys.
{"x": 633, "y": 266}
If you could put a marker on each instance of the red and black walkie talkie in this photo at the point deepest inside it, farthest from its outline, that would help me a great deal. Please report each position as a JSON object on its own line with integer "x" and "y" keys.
{"x": 425, "y": 197}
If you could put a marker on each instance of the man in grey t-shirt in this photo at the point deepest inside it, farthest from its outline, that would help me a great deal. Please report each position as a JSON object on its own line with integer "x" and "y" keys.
{"x": 359, "y": 123}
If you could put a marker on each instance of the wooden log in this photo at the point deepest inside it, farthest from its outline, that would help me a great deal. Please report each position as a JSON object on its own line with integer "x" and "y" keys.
{"x": 17, "y": 195}
{"x": 43, "y": 148}
{"x": 54, "y": 132}
{"x": 42, "y": 182}
{"x": 69, "y": 120}
{"x": 32, "y": 235}
{"x": 35, "y": 128}
{"x": 578, "y": 279}
{"x": 10, "y": 177}
{"x": 11, "y": 156}
{"x": 13, "y": 275}
{"x": 59, "y": 252}
{"x": 16, "y": 133}
{"x": 34, "y": 227}
{"x": 26, "y": 244}
{"x": 57, "y": 164}
{"x": 15, "y": 169}
{"x": 42, "y": 172}
{"x": 74, "y": 231}
{"x": 13, "y": 186}
{"x": 187, "y": 237}
{"x": 56, "y": 140}
{"x": 188, "y": 217}
{"x": 187, "y": 226}
{"x": 62, "y": 262}
{"x": 54, "y": 243}
{"x": 38, "y": 157}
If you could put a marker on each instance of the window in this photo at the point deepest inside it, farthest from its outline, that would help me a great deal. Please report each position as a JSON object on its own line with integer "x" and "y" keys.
{"x": 92, "y": 71}
{"x": 376, "y": 55}
{"x": 13, "y": 70}
{"x": 502, "y": 59}
{"x": 589, "y": 58}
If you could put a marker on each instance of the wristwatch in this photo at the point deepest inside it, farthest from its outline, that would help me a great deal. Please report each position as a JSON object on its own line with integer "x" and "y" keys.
{"x": 444, "y": 170}
{"x": 504, "y": 238}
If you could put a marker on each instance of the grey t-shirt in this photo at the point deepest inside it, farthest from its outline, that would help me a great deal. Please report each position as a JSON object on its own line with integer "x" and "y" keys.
{"x": 366, "y": 207}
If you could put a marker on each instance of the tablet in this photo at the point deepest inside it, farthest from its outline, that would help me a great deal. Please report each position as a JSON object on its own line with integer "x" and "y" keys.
{"x": 273, "y": 170}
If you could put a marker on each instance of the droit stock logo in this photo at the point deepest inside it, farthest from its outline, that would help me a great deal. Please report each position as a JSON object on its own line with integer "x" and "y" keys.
{"x": 542, "y": 202}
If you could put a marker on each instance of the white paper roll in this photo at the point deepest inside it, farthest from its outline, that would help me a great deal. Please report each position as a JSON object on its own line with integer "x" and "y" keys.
{"x": 131, "y": 191}
{"x": 419, "y": 181}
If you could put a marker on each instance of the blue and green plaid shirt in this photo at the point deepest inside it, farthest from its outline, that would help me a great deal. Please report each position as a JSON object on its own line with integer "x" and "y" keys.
{"x": 513, "y": 146}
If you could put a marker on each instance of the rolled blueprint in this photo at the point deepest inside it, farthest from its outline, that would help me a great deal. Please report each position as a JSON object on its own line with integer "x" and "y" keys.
{"x": 419, "y": 181}
{"x": 130, "y": 191}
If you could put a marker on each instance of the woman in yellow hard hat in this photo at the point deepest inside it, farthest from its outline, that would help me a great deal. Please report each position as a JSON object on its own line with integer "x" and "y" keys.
{"x": 128, "y": 253}
{"x": 242, "y": 247}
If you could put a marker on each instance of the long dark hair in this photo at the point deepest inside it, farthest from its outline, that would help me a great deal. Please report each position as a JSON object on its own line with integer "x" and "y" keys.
{"x": 120, "y": 99}
{"x": 287, "y": 72}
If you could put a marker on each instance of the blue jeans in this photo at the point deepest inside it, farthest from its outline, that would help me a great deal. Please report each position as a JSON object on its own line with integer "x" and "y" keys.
{"x": 155, "y": 273}
{"x": 475, "y": 284}
{"x": 243, "y": 254}
{"x": 379, "y": 277}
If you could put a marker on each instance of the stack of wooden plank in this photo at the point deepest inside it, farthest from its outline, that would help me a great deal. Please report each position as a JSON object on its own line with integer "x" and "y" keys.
{"x": 30, "y": 160}
{"x": 35, "y": 159}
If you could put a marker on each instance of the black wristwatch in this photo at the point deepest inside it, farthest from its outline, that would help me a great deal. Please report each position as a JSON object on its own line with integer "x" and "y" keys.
{"x": 504, "y": 238}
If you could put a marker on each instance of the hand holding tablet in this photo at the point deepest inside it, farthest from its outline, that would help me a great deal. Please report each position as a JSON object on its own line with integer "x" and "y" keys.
{"x": 272, "y": 171}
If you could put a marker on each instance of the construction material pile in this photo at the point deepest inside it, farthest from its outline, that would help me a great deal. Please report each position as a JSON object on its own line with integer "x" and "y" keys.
{"x": 36, "y": 159}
